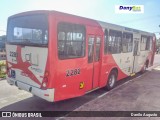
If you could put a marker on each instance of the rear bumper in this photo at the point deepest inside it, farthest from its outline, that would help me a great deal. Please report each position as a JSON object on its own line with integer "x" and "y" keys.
{"x": 44, "y": 94}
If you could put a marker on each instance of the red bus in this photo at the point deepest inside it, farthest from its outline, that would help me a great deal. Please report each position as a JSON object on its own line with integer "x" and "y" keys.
{"x": 57, "y": 56}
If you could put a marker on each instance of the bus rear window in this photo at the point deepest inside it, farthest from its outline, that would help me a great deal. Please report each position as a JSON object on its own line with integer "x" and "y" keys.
{"x": 28, "y": 30}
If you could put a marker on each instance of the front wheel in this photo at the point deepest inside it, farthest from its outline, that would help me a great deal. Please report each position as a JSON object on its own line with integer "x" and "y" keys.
{"x": 112, "y": 80}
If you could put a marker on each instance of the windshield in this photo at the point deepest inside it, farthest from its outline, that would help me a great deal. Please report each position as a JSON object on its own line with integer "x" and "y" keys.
{"x": 28, "y": 30}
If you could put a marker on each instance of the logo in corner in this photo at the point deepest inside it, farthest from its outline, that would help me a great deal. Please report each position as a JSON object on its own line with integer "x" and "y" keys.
{"x": 129, "y": 9}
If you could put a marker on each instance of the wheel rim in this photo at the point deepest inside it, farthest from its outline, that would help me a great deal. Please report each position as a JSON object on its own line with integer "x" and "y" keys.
{"x": 112, "y": 80}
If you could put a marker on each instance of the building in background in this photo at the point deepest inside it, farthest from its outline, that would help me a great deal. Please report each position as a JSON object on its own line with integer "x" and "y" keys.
{"x": 2, "y": 47}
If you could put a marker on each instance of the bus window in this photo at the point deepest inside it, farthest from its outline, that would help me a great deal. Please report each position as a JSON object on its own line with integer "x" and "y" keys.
{"x": 98, "y": 45}
{"x": 150, "y": 48}
{"x": 149, "y": 43}
{"x": 28, "y": 30}
{"x": 127, "y": 42}
{"x": 90, "y": 49}
{"x": 114, "y": 42}
{"x": 71, "y": 41}
{"x": 143, "y": 45}
{"x": 105, "y": 41}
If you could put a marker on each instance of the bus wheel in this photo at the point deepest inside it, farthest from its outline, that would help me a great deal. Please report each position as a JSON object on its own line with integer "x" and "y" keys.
{"x": 112, "y": 80}
{"x": 144, "y": 67}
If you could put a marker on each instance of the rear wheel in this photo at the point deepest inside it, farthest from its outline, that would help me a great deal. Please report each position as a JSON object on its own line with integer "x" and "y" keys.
{"x": 112, "y": 80}
{"x": 145, "y": 67}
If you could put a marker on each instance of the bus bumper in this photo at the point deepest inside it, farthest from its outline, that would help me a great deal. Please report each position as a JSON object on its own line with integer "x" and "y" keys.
{"x": 47, "y": 94}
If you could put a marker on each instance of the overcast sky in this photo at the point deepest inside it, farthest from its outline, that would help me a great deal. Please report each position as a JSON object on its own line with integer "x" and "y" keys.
{"x": 103, "y": 10}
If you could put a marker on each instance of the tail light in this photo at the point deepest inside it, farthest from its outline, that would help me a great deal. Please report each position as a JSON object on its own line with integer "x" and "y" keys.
{"x": 45, "y": 80}
{"x": 44, "y": 83}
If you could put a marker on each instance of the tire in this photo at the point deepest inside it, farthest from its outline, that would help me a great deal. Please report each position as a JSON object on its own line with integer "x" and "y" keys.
{"x": 111, "y": 82}
{"x": 144, "y": 68}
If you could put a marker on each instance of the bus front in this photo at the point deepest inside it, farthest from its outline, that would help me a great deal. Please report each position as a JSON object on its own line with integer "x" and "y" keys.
{"x": 27, "y": 53}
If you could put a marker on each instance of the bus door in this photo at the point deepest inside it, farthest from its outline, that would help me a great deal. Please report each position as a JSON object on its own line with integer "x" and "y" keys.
{"x": 136, "y": 54}
{"x": 94, "y": 43}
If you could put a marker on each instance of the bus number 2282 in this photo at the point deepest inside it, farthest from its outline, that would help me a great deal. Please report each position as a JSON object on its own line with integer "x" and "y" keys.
{"x": 72, "y": 72}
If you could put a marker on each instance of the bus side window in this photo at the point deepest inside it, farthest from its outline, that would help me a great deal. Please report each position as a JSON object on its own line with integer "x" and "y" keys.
{"x": 144, "y": 42}
{"x": 90, "y": 49}
{"x": 114, "y": 42}
{"x": 150, "y": 47}
{"x": 98, "y": 45}
{"x": 71, "y": 40}
{"x": 149, "y": 43}
{"x": 127, "y": 42}
{"x": 106, "y": 41}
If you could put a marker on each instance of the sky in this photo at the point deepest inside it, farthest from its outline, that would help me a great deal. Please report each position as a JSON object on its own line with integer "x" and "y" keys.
{"x": 103, "y": 10}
